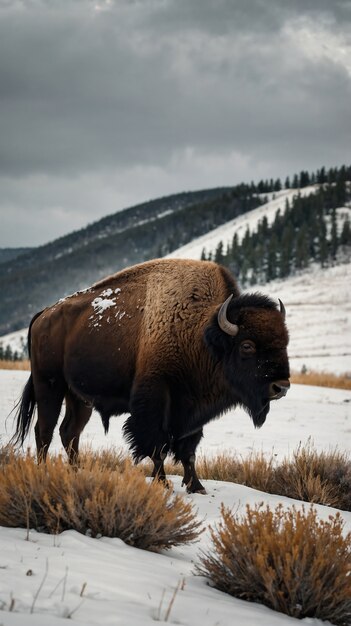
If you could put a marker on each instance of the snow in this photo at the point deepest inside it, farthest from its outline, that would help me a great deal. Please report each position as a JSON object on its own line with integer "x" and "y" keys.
{"x": 239, "y": 224}
{"x": 104, "y": 582}
{"x": 16, "y": 340}
{"x": 318, "y": 307}
{"x": 101, "y": 304}
{"x": 318, "y": 301}
{"x": 48, "y": 579}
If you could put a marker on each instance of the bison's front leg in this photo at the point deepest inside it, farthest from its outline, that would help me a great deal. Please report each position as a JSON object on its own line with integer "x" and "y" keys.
{"x": 159, "y": 471}
{"x": 184, "y": 451}
{"x": 147, "y": 428}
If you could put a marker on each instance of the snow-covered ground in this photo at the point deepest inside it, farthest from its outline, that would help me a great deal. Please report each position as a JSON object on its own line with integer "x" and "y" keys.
{"x": 318, "y": 306}
{"x": 103, "y": 581}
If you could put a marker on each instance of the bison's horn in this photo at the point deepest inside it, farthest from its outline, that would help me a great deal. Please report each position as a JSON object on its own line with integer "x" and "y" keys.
{"x": 224, "y": 324}
{"x": 282, "y": 309}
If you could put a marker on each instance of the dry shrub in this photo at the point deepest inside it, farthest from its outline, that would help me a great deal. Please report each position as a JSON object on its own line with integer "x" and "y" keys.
{"x": 322, "y": 379}
{"x": 94, "y": 500}
{"x": 14, "y": 365}
{"x": 6, "y": 453}
{"x": 111, "y": 458}
{"x": 288, "y": 560}
{"x": 319, "y": 477}
{"x": 253, "y": 471}
{"x": 311, "y": 476}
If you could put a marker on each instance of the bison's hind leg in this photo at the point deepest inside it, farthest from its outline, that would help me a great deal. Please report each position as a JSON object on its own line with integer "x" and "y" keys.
{"x": 76, "y": 417}
{"x": 49, "y": 395}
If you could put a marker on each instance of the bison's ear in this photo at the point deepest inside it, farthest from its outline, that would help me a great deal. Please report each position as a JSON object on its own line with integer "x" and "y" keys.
{"x": 216, "y": 341}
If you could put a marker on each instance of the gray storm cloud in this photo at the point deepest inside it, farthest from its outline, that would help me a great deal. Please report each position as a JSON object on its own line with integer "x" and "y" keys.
{"x": 103, "y": 104}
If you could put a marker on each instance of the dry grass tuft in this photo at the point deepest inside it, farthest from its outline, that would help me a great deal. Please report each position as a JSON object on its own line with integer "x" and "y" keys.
{"x": 255, "y": 471}
{"x": 320, "y": 478}
{"x": 93, "y": 500}
{"x": 14, "y": 365}
{"x": 288, "y": 560}
{"x": 322, "y": 379}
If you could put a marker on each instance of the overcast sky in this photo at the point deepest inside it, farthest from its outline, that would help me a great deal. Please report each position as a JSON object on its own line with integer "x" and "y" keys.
{"x": 109, "y": 103}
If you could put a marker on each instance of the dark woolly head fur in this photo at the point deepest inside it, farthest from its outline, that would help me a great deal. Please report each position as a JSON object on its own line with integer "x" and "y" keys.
{"x": 259, "y": 321}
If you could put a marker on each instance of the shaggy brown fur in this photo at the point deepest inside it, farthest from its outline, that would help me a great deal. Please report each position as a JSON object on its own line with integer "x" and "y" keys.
{"x": 146, "y": 341}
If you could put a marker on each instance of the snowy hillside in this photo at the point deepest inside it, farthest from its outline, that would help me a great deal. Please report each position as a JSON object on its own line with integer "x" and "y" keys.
{"x": 318, "y": 301}
{"x": 240, "y": 224}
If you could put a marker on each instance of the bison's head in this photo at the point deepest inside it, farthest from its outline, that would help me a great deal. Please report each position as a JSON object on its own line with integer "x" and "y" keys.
{"x": 250, "y": 339}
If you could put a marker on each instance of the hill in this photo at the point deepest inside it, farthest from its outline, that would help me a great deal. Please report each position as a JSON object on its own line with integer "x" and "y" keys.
{"x": 8, "y": 254}
{"x": 38, "y": 278}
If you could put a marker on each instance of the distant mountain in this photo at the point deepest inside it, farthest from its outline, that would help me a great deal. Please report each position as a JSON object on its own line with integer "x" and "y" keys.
{"x": 306, "y": 222}
{"x": 39, "y": 277}
{"x": 8, "y": 254}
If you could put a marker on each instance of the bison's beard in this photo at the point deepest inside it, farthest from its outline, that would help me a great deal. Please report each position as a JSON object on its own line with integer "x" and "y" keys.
{"x": 258, "y": 410}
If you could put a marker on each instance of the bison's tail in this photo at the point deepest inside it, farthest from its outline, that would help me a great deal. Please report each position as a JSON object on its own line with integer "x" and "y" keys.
{"x": 25, "y": 409}
{"x": 26, "y": 404}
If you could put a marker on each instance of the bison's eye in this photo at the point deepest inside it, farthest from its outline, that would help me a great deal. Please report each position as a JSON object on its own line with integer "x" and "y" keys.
{"x": 247, "y": 348}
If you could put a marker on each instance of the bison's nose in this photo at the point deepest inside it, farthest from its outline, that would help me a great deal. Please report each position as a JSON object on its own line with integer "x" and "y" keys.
{"x": 278, "y": 389}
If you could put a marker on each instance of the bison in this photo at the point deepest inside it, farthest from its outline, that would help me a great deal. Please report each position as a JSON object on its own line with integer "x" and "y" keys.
{"x": 171, "y": 342}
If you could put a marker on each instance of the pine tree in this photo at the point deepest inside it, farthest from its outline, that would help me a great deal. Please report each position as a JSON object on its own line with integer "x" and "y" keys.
{"x": 295, "y": 183}
{"x": 333, "y": 235}
{"x": 340, "y": 193}
{"x": 272, "y": 255}
{"x": 285, "y": 260}
{"x": 304, "y": 179}
{"x": 322, "y": 242}
{"x": 219, "y": 256}
{"x": 345, "y": 236}
{"x": 321, "y": 176}
{"x": 301, "y": 249}
{"x": 287, "y": 183}
{"x": 8, "y": 353}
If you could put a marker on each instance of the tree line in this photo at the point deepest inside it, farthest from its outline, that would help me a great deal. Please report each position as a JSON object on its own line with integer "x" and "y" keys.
{"x": 309, "y": 230}
{"x": 303, "y": 179}
{"x": 8, "y": 354}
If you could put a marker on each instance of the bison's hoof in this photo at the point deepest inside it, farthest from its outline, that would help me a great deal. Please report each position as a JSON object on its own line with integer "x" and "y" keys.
{"x": 201, "y": 490}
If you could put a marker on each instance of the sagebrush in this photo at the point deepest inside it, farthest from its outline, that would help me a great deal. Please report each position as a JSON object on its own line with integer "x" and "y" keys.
{"x": 286, "y": 559}
{"x": 322, "y": 379}
{"x": 317, "y": 477}
{"x": 93, "y": 500}
{"x": 308, "y": 475}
